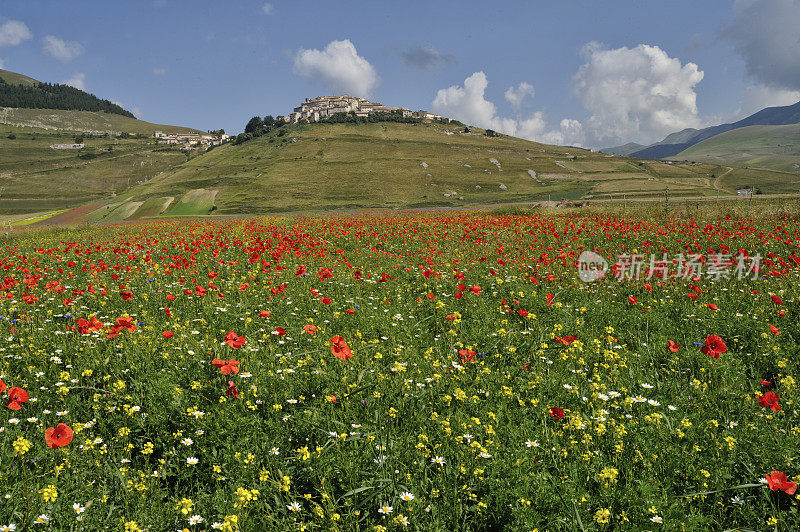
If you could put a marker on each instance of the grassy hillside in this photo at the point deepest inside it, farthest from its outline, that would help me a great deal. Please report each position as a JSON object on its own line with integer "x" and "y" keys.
{"x": 82, "y": 121}
{"x": 34, "y": 177}
{"x": 774, "y": 147}
{"x": 386, "y": 165}
{"x": 17, "y": 79}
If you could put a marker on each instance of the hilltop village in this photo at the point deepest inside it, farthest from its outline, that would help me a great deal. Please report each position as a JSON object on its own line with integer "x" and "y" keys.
{"x": 324, "y": 107}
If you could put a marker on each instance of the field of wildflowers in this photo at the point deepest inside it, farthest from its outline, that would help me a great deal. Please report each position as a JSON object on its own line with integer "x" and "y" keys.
{"x": 427, "y": 372}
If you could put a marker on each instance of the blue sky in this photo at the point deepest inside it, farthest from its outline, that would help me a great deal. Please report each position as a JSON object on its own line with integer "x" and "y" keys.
{"x": 215, "y": 64}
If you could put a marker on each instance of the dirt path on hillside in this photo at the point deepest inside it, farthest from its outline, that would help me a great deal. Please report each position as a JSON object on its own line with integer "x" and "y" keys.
{"x": 719, "y": 178}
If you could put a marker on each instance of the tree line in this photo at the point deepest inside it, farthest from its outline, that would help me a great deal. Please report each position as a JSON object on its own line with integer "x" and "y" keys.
{"x": 55, "y": 96}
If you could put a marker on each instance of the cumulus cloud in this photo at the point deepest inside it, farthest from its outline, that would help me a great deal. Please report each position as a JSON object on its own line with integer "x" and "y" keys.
{"x": 77, "y": 80}
{"x": 339, "y": 67}
{"x": 267, "y": 8}
{"x": 765, "y": 34}
{"x": 468, "y": 104}
{"x": 60, "y": 49}
{"x": 14, "y": 32}
{"x": 757, "y": 97}
{"x": 636, "y": 93}
{"x": 428, "y": 58}
{"x": 515, "y": 96}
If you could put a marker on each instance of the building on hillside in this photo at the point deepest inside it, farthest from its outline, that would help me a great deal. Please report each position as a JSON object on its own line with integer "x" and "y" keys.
{"x": 427, "y": 115}
{"x": 190, "y": 140}
{"x": 67, "y": 146}
{"x": 322, "y": 107}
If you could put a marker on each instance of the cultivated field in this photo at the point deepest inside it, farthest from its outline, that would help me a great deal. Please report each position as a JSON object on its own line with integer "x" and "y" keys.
{"x": 431, "y": 372}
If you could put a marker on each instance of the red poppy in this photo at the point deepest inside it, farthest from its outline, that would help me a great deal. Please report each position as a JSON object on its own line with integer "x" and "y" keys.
{"x": 763, "y": 383}
{"x": 170, "y": 297}
{"x": 126, "y": 322}
{"x": 226, "y": 366}
{"x": 769, "y": 400}
{"x": 234, "y": 340}
{"x": 458, "y": 295}
{"x": 232, "y": 391}
{"x": 777, "y": 481}
{"x": 566, "y": 340}
{"x": 467, "y": 356}
{"x": 16, "y": 396}
{"x": 774, "y": 330}
{"x": 326, "y": 300}
{"x": 309, "y": 328}
{"x": 167, "y": 334}
{"x": 279, "y": 331}
{"x": 127, "y": 295}
{"x": 712, "y": 306}
{"x": 2, "y": 386}
{"x": 556, "y": 413}
{"x": 475, "y": 289}
{"x": 59, "y": 436}
{"x": 339, "y": 348}
{"x": 632, "y": 300}
{"x": 776, "y": 300}
{"x": 674, "y": 347}
{"x": 264, "y": 314}
{"x": 714, "y": 346}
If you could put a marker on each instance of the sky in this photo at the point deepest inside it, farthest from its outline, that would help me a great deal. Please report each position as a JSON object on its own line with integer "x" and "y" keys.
{"x": 587, "y": 73}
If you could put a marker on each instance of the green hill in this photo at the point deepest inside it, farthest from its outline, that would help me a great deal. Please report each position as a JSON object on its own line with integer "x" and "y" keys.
{"x": 773, "y": 147}
{"x": 27, "y": 93}
{"x": 13, "y": 78}
{"x": 391, "y": 165}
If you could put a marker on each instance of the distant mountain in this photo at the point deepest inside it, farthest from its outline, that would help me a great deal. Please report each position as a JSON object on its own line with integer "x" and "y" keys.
{"x": 625, "y": 149}
{"x": 675, "y": 143}
{"x": 23, "y": 92}
{"x": 772, "y": 147}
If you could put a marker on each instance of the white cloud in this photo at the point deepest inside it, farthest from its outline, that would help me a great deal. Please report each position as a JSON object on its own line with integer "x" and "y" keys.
{"x": 757, "y": 97}
{"x": 428, "y": 58}
{"x": 637, "y": 94}
{"x": 2, "y": 63}
{"x": 339, "y": 67}
{"x": 468, "y": 104}
{"x": 766, "y": 34}
{"x": 159, "y": 71}
{"x": 77, "y": 80}
{"x": 267, "y": 8}
{"x": 60, "y": 49}
{"x": 515, "y": 96}
{"x": 13, "y": 32}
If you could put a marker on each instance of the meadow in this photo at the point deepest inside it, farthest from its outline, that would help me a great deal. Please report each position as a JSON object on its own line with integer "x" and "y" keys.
{"x": 429, "y": 371}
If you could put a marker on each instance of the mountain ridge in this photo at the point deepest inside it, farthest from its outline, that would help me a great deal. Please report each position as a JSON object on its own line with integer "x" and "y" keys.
{"x": 676, "y": 142}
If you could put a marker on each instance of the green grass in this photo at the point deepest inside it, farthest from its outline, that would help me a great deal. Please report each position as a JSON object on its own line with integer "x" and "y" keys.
{"x": 771, "y": 147}
{"x": 13, "y": 78}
